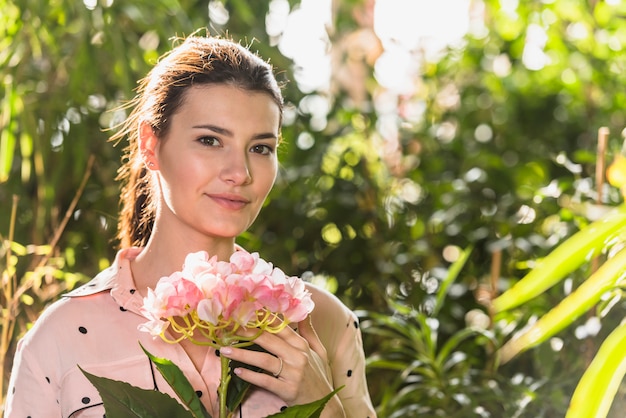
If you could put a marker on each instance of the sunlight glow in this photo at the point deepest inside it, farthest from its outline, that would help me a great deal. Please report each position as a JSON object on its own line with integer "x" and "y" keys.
{"x": 305, "y": 40}
{"x": 218, "y": 13}
{"x": 412, "y": 31}
{"x": 534, "y": 57}
{"x": 423, "y": 24}
{"x": 407, "y": 29}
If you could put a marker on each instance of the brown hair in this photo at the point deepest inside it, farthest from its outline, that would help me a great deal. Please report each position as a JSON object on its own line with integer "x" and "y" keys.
{"x": 197, "y": 60}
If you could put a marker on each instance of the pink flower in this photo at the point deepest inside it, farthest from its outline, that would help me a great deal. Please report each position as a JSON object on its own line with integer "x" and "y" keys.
{"x": 262, "y": 266}
{"x": 173, "y": 296}
{"x": 210, "y": 310}
{"x": 223, "y": 295}
{"x": 155, "y": 327}
{"x": 300, "y": 304}
{"x": 235, "y": 299}
{"x": 207, "y": 282}
{"x": 208, "y": 300}
{"x": 243, "y": 261}
{"x": 198, "y": 262}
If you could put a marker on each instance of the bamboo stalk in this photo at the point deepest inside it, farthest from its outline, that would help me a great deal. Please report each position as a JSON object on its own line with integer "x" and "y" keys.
{"x": 10, "y": 289}
{"x": 59, "y": 230}
{"x": 496, "y": 268}
{"x": 603, "y": 138}
{"x": 8, "y": 284}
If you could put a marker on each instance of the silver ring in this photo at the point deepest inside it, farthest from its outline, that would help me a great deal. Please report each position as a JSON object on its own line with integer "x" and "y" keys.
{"x": 280, "y": 369}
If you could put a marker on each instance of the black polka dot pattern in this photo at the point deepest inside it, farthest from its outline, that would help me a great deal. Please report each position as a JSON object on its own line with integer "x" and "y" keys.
{"x": 345, "y": 363}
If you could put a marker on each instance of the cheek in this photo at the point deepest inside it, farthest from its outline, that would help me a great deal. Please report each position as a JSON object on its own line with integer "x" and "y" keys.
{"x": 264, "y": 174}
{"x": 177, "y": 178}
{"x": 271, "y": 177}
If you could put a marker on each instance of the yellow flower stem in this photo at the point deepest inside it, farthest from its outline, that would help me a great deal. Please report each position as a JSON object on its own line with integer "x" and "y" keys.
{"x": 221, "y": 335}
{"x": 246, "y": 341}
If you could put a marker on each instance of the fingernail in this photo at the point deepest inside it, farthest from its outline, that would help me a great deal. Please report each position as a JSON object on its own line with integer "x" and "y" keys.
{"x": 226, "y": 351}
{"x": 237, "y": 371}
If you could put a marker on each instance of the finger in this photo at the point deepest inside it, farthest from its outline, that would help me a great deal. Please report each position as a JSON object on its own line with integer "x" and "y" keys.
{"x": 278, "y": 343}
{"x": 253, "y": 333}
{"x": 277, "y": 385}
{"x": 269, "y": 363}
{"x": 277, "y": 373}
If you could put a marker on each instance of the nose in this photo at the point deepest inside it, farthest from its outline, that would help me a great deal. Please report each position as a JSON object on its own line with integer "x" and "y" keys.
{"x": 236, "y": 169}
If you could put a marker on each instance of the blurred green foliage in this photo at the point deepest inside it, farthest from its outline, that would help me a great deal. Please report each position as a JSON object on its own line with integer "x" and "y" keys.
{"x": 500, "y": 158}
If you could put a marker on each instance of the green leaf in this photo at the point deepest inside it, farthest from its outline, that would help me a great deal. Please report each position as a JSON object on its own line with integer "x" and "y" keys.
{"x": 596, "y": 389}
{"x": 17, "y": 248}
{"x": 608, "y": 276}
{"x": 7, "y": 136}
{"x": 567, "y": 257}
{"x": 122, "y": 400}
{"x": 455, "y": 341}
{"x": 309, "y": 410}
{"x": 177, "y": 380}
{"x": 453, "y": 273}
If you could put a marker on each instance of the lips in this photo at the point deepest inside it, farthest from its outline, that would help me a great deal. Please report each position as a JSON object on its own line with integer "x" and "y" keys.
{"x": 229, "y": 201}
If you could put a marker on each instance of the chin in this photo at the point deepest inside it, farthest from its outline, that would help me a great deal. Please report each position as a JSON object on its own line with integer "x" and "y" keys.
{"x": 226, "y": 233}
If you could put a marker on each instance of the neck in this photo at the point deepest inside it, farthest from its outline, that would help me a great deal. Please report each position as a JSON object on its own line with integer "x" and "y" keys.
{"x": 164, "y": 255}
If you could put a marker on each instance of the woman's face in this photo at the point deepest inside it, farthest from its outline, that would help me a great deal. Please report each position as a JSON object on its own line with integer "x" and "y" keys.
{"x": 217, "y": 163}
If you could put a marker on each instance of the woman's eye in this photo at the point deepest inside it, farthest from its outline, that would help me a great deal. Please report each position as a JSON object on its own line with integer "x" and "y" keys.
{"x": 209, "y": 141}
{"x": 262, "y": 149}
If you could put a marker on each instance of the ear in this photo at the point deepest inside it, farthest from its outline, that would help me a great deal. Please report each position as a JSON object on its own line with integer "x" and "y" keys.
{"x": 148, "y": 146}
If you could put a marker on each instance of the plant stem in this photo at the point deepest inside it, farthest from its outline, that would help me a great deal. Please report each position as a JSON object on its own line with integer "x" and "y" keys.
{"x": 224, "y": 381}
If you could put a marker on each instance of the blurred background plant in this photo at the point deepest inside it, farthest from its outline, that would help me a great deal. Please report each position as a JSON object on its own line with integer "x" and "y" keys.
{"x": 598, "y": 251}
{"x": 402, "y": 148}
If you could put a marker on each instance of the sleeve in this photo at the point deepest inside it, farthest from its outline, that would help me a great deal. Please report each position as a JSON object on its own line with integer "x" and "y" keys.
{"x": 338, "y": 329}
{"x": 347, "y": 361}
{"x": 30, "y": 392}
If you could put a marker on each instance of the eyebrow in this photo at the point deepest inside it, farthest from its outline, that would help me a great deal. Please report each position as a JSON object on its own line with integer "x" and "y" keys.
{"x": 227, "y": 132}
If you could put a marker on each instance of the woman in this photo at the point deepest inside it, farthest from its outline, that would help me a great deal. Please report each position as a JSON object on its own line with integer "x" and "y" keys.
{"x": 201, "y": 161}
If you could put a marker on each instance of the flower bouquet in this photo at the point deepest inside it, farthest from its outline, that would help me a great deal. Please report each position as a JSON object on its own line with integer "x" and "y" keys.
{"x": 207, "y": 303}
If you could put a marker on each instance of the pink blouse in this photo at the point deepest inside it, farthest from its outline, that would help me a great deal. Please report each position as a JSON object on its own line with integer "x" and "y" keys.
{"x": 95, "y": 327}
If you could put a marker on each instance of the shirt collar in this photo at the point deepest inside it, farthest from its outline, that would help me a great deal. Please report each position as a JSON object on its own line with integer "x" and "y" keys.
{"x": 117, "y": 278}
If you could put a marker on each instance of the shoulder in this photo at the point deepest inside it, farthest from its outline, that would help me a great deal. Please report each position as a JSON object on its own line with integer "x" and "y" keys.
{"x": 327, "y": 304}
{"x": 331, "y": 318}
{"x": 54, "y": 327}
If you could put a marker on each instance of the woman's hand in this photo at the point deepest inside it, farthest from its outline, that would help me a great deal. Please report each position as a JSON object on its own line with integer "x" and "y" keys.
{"x": 296, "y": 366}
